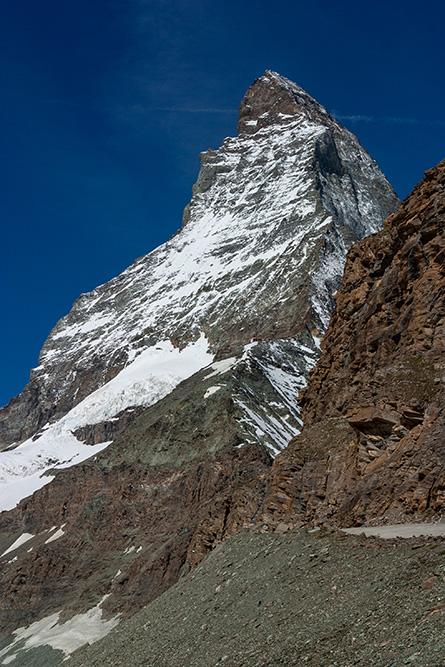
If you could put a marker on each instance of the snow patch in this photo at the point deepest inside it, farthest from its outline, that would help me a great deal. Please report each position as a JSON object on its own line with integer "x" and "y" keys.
{"x": 25, "y": 537}
{"x": 66, "y": 637}
{"x": 59, "y": 533}
{"x": 211, "y": 390}
{"x": 90, "y": 325}
{"x": 222, "y": 366}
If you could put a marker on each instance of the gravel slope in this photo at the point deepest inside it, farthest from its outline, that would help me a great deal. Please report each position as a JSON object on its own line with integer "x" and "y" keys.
{"x": 298, "y": 598}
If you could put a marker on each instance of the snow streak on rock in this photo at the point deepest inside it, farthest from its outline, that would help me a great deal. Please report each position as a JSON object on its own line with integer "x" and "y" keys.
{"x": 270, "y": 376}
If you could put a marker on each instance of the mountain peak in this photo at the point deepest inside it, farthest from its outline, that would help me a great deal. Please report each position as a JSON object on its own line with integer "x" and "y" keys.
{"x": 175, "y": 383}
{"x": 272, "y": 97}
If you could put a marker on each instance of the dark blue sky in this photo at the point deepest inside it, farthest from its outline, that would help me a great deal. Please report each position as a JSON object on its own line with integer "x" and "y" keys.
{"x": 106, "y": 104}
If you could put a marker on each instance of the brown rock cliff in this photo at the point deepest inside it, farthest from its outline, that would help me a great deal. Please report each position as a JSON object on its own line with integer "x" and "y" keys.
{"x": 373, "y": 444}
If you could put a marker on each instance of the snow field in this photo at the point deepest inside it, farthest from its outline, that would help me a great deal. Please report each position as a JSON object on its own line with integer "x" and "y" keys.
{"x": 148, "y": 378}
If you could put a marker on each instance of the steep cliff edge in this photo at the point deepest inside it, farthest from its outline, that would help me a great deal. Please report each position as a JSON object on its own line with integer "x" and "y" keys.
{"x": 373, "y": 445}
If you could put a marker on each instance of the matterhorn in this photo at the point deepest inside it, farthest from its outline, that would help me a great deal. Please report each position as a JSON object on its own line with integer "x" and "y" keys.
{"x": 165, "y": 391}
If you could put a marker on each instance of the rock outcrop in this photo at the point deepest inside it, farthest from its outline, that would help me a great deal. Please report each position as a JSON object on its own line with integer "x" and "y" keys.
{"x": 373, "y": 444}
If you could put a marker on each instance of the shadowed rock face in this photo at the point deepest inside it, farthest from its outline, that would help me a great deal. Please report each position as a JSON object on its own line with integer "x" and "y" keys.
{"x": 373, "y": 444}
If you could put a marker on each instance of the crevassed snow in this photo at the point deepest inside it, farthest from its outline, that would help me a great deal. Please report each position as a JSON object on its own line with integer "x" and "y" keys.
{"x": 66, "y": 637}
{"x": 151, "y": 376}
{"x": 25, "y": 537}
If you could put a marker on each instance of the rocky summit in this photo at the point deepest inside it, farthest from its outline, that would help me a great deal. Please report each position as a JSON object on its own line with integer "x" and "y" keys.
{"x": 147, "y": 433}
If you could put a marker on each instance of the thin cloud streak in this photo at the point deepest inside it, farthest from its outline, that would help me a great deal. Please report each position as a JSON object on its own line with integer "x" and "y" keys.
{"x": 388, "y": 120}
{"x": 185, "y": 110}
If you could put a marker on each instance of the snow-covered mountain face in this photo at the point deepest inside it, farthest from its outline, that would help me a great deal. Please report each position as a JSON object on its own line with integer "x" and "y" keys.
{"x": 259, "y": 256}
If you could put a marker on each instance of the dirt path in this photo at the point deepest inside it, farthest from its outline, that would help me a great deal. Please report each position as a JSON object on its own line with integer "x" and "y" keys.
{"x": 401, "y": 530}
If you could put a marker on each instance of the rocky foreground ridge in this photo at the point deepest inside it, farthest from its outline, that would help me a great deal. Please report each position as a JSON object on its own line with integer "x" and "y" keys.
{"x": 373, "y": 444}
{"x": 316, "y": 598}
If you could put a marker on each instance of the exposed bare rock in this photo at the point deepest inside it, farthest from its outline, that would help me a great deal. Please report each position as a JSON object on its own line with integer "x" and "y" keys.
{"x": 135, "y": 517}
{"x": 373, "y": 445}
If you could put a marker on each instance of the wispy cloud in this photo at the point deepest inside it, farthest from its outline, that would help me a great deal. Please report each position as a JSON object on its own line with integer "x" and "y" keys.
{"x": 387, "y": 120}
{"x": 189, "y": 110}
{"x": 144, "y": 110}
